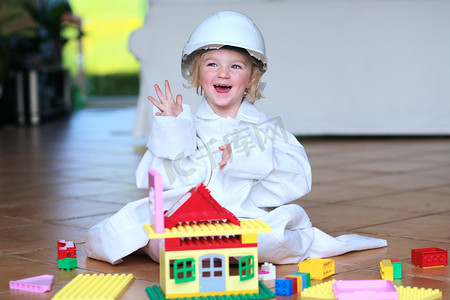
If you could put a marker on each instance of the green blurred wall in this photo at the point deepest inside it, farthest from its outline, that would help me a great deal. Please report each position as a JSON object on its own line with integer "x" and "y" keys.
{"x": 107, "y": 25}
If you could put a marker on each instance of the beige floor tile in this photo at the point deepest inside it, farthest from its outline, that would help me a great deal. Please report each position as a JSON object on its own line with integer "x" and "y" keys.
{"x": 424, "y": 202}
{"x": 84, "y": 222}
{"x": 122, "y": 197}
{"x": 101, "y": 172}
{"x": 444, "y": 190}
{"x": 339, "y": 192}
{"x": 62, "y": 177}
{"x": 441, "y": 172}
{"x": 29, "y": 238}
{"x": 65, "y": 190}
{"x": 388, "y": 166}
{"x": 11, "y": 222}
{"x": 401, "y": 182}
{"x": 440, "y": 156}
{"x": 428, "y": 228}
{"x": 325, "y": 175}
{"x": 340, "y": 217}
{"x": 48, "y": 210}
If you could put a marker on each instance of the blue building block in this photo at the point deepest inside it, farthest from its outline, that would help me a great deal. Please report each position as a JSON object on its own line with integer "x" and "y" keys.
{"x": 283, "y": 287}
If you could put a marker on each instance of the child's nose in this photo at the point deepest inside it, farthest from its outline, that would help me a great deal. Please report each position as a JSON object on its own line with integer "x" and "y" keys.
{"x": 224, "y": 72}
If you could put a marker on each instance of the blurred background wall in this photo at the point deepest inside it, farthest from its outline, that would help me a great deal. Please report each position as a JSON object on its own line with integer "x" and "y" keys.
{"x": 58, "y": 55}
{"x": 336, "y": 67}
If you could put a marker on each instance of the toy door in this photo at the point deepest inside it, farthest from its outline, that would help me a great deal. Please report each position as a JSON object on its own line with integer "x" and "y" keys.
{"x": 212, "y": 273}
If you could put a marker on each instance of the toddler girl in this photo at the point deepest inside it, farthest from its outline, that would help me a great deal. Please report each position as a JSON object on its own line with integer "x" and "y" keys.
{"x": 251, "y": 165}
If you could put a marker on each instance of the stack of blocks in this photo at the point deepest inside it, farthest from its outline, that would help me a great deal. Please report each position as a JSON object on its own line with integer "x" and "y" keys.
{"x": 67, "y": 255}
{"x": 292, "y": 284}
{"x": 313, "y": 268}
{"x": 267, "y": 272}
{"x": 391, "y": 269}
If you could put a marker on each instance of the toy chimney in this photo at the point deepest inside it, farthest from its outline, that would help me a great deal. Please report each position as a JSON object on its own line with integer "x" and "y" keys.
{"x": 156, "y": 201}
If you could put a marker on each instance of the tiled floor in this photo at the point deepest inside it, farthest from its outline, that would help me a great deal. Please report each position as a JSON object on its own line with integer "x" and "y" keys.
{"x": 60, "y": 178}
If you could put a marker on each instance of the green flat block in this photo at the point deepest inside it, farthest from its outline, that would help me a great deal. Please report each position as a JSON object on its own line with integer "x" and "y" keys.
{"x": 67, "y": 263}
{"x": 154, "y": 293}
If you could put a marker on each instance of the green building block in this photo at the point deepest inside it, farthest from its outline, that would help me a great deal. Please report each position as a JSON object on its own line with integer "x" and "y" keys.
{"x": 154, "y": 293}
{"x": 67, "y": 263}
{"x": 397, "y": 269}
{"x": 306, "y": 279}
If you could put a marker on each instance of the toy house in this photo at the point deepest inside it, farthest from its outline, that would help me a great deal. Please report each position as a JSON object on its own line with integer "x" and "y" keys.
{"x": 204, "y": 249}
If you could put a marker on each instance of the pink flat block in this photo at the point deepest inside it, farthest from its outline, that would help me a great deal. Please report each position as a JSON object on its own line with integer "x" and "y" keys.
{"x": 365, "y": 289}
{"x": 38, "y": 284}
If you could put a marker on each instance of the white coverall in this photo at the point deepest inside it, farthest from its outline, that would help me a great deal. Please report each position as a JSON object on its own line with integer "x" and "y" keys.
{"x": 268, "y": 169}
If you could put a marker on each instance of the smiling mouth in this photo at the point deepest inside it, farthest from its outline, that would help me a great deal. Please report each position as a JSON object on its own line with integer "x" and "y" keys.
{"x": 222, "y": 88}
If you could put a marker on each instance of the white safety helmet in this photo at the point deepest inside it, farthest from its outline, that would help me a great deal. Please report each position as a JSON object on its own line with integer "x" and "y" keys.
{"x": 224, "y": 28}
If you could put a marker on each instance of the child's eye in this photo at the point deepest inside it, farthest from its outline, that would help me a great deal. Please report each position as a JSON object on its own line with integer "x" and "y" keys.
{"x": 212, "y": 65}
{"x": 236, "y": 67}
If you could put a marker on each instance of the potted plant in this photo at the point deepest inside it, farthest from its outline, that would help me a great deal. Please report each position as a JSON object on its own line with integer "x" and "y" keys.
{"x": 33, "y": 45}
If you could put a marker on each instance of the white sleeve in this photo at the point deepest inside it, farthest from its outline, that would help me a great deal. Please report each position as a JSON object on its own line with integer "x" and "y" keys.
{"x": 173, "y": 137}
{"x": 289, "y": 179}
{"x": 279, "y": 166}
{"x": 172, "y": 150}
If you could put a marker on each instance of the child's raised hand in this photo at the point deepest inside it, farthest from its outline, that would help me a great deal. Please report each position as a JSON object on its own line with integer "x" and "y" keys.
{"x": 166, "y": 104}
{"x": 225, "y": 155}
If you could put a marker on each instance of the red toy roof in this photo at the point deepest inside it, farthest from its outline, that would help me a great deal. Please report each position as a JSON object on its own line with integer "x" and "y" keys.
{"x": 197, "y": 205}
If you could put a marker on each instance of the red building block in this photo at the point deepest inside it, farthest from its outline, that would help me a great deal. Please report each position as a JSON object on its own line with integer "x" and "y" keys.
{"x": 429, "y": 257}
{"x": 197, "y": 205}
{"x": 294, "y": 284}
{"x": 66, "y": 249}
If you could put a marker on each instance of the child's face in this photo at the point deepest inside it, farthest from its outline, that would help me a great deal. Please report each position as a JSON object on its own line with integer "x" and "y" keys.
{"x": 224, "y": 77}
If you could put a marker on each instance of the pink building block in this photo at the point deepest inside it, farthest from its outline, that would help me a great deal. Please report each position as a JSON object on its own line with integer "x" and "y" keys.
{"x": 365, "y": 289}
{"x": 267, "y": 272}
{"x": 155, "y": 197}
{"x": 38, "y": 284}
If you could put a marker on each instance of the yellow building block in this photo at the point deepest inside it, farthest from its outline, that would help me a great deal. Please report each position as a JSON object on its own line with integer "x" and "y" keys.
{"x": 95, "y": 286}
{"x": 299, "y": 281}
{"x": 320, "y": 291}
{"x": 319, "y": 268}
{"x": 386, "y": 270}
{"x": 210, "y": 229}
{"x": 249, "y": 238}
{"x": 233, "y": 283}
{"x": 414, "y": 293}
